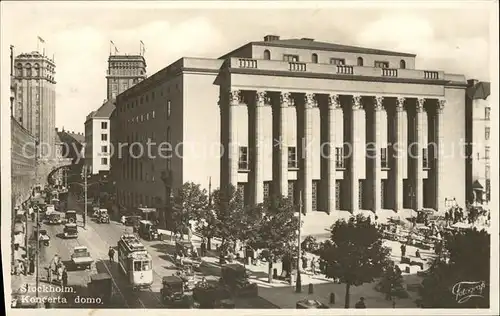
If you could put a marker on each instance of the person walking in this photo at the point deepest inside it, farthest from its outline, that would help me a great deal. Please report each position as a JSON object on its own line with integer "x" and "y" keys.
{"x": 32, "y": 265}
{"x": 203, "y": 248}
{"x": 403, "y": 250}
{"x": 111, "y": 254}
{"x": 65, "y": 278}
{"x": 313, "y": 266}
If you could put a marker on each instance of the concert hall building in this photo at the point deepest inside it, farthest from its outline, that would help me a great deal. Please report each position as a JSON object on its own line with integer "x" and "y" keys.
{"x": 349, "y": 128}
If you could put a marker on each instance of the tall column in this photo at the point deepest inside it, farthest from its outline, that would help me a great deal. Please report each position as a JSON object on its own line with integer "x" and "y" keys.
{"x": 285, "y": 101}
{"x": 439, "y": 162}
{"x": 419, "y": 162}
{"x": 257, "y": 159}
{"x": 309, "y": 103}
{"x": 357, "y": 107}
{"x": 233, "y": 151}
{"x": 333, "y": 107}
{"x": 398, "y": 152}
{"x": 377, "y": 167}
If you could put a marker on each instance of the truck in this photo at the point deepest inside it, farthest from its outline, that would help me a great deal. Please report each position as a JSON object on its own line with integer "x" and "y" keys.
{"x": 101, "y": 286}
{"x": 81, "y": 257}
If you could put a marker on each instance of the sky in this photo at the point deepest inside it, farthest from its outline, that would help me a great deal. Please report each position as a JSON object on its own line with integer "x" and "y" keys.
{"x": 454, "y": 39}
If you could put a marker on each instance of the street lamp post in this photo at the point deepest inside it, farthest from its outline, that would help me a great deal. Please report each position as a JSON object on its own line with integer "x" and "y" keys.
{"x": 298, "y": 284}
{"x": 37, "y": 250}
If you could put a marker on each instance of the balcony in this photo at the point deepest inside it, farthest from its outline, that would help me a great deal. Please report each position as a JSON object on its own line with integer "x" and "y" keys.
{"x": 347, "y": 70}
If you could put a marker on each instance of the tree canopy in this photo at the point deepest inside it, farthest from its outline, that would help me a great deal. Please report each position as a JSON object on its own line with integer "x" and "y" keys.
{"x": 189, "y": 202}
{"x": 355, "y": 253}
{"x": 465, "y": 267}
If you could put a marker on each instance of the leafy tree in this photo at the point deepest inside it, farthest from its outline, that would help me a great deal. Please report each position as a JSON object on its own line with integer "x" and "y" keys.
{"x": 207, "y": 225}
{"x": 355, "y": 254}
{"x": 310, "y": 244}
{"x": 229, "y": 216}
{"x": 392, "y": 282}
{"x": 467, "y": 260}
{"x": 275, "y": 230}
{"x": 189, "y": 201}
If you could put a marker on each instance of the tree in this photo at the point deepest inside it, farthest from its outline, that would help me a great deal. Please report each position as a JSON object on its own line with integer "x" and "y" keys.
{"x": 229, "y": 216}
{"x": 392, "y": 282}
{"x": 276, "y": 229}
{"x": 189, "y": 202}
{"x": 467, "y": 260}
{"x": 356, "y": 254}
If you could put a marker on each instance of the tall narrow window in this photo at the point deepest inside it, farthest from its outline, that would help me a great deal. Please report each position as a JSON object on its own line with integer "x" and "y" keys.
{"x": 292, "y": 157}
{"x": 487, "y": 111}
{"x": 243, "y": 159}
{"x": 339, "y": 157}
{"x": 383, "y": 158}
{"x": 487, "y": 152}
{"x": 267, "y": 55}
{"x": 360, "y": 61}
{"x": 168, "y": 109}
{"x": 381, "y": 64}
{"x": 314, "y": 58}
{"x": 291, "y": 58}
{"x": 402, "y": 64}
{"x": 425, "y": 158}
{"x": 337, "y": 61}
{"x": 486, "y": 133}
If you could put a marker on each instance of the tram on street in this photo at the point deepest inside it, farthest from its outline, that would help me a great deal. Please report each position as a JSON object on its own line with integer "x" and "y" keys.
{"x": 135, "y": 262}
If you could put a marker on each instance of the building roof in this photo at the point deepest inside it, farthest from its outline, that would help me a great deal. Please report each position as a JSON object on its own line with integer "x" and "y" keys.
{"x": 79, "y": 137}
{"x": 480, "y": 90}
{"x": 105, "y": 110}
{"x": 308, "y": 43}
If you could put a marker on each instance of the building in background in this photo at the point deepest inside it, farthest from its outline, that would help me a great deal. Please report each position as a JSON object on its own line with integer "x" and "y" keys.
{"x": 97, "y": 139}
{"x": 478, "y": 134}
{"x": 123, "y": 72}
{"x": 35, "y": 105}
{"x": 286, "y": 93}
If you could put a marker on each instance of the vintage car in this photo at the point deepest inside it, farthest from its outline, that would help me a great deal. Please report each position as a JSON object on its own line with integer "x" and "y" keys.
{"x": 148, "y": 230}
{"x": 44, "y": 238}
{"x": 54, "y": 219}
{"x": 70, "y": 217}
{"x": 188, "y": 277}
{"x": 235, "y": 279}
{"x": 81, "y": 257}
{"x": 102, "y": 216}
{"x": 209, "y": 294}
{"x": 172, "y": 292}
{"x": 101, "y": 285}
{"x": 132, "y": 220}
{"x": 70, "y": 230}
{"x": 310, "y": 304}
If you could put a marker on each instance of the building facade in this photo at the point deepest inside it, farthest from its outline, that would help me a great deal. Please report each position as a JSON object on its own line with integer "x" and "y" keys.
{"x": 35, "y": 107}
{"x": 123, "y": 72}
{"x": 478, "y": 141}
{"x": 349, "y": 128}
{"x": 97, "y": 139}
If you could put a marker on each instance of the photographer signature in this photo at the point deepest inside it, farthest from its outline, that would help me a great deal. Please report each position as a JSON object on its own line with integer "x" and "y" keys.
{"x": 466, "y": 290}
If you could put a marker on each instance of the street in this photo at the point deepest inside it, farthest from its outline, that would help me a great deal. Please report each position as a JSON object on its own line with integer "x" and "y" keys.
{"x": 98, "y": 238}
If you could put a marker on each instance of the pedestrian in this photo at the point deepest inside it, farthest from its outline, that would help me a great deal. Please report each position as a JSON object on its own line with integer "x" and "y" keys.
{"x": 64, "y": 277}
{"x": 49, "y": 274}
{"x": 111, "y": 254}
{"x": 360, "y": 303}
{"x": 32, "y": 265}
{"x": 304, "y": 262}
{"x": 313, "y": 266}
{"x": 203, "y": 248}
{"x": 403, "y": 250}
{"x": 417, "y": 254}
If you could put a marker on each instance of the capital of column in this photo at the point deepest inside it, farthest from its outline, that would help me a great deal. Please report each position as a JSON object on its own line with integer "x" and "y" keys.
{"x": 334, "y": 101}
{"x": 379, "y": 103}
{"x": 235, "y": 97}
{"x": 420, "y": 105}
{"x": 356, "y": 102}
{"x": 286, "y": 99}
{"x": 262, "y": 98}
{"x": 310, "y": 100}
{"x": 440, "y": 105}
{"x": 400, "y": 104}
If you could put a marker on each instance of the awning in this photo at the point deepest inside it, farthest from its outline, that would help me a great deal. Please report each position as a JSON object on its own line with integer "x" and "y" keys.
{"x": 477, "y": 186}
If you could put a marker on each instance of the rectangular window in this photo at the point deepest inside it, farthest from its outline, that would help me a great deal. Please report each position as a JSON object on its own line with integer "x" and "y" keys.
{"x": 292, "y": 157}
{"x": 487, "y": 152}
{"x": 425, "y": 158}
{"x": 243, "y": 159}
{"x": 104, "y": 125}
{"x": 381, "y": 64}
{"x": 337, "y": 61}
{"x": 487, "y": 111}
{"x": 104, "y": 137}
{"x": 291, "y": 58}
{"x": 487, "y": 133}
{"x": 104, "y": 161}
{"x": 383, "y": 158}
{"x": 104, "y": 149}
{"x": 339, "y": 157}
{"x": 168, "y": 109}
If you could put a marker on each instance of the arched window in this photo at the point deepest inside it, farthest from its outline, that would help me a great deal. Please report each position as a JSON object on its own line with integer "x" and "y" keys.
{"x": 37, "y": 70}
{"x": 360, "y": 61}
{"x": 402, "y": 64}
{"x": 267, "y": 55}
{"x": 28, "y": 70}
{"x": 19, "y": 69}
{"x": 314, "y": 58}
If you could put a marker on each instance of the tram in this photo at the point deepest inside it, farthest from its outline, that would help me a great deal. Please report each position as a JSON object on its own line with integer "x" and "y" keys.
{"x": 135, "y": 262}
